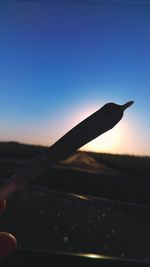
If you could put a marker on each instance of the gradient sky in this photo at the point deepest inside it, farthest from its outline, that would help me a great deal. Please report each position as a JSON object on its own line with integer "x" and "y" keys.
{"x": 61, "y": 62}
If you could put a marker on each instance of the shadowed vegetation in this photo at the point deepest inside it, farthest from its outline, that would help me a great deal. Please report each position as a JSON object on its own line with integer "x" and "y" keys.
{"x": 137, "y": 165}
{"x": 131, "y": 183}
{"x": 18, "y": 150}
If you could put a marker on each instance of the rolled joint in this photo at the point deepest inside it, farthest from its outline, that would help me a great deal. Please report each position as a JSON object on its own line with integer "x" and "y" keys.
{"x": 128, "y": 104}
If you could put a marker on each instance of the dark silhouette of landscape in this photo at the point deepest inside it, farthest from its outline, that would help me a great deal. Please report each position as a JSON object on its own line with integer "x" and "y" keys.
{"x": 119, "y": 177}
{"x": 88, "y": 203}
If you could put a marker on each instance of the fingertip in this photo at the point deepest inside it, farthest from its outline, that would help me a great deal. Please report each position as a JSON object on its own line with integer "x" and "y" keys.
{"x": 2, "y": 206}
{"x": 8, "y": 244}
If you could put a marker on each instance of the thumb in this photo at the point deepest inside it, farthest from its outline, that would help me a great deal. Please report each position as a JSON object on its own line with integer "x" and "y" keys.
{"x": 8, "y": 244}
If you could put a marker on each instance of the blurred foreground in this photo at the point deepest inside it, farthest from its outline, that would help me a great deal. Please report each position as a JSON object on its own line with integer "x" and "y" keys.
{"x": 90, "y": 203}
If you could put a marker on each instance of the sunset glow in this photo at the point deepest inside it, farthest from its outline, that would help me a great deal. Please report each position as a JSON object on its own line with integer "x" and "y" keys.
{"x": 60, "y": 63}
{"x": 108, "y": 142}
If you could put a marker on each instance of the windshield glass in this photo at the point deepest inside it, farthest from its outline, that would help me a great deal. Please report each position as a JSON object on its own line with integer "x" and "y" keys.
{"x": 78, "y": 224}
{"x": 60, "y": 62}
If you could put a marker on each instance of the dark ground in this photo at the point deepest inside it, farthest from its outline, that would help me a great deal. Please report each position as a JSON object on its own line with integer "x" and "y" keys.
{"x": 106, "y": 210}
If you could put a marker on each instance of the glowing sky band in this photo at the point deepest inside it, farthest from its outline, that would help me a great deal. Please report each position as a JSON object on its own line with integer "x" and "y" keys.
{"x": 96, "y": 124}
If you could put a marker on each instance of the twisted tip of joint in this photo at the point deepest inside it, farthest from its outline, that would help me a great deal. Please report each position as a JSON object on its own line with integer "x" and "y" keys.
{"x": 126, "y": 105}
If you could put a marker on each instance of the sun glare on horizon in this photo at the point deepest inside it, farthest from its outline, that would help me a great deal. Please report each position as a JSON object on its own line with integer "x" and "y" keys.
{"x": 109, "y": 142}
{"x": 123, "y": 138}
{"x": 116, "y": 140}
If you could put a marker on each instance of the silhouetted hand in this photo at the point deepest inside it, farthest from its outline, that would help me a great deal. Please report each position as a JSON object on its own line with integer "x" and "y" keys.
{"x": 8, "y": 242}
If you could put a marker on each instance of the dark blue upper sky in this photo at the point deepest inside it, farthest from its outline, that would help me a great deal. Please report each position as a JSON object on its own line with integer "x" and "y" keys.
{"x": 61, "y": 62}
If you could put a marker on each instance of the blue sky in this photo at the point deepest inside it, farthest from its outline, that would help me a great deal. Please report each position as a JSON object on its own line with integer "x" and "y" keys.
{"x": 61, "y": 62}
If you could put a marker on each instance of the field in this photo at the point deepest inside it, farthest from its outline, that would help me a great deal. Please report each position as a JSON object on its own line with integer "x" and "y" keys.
{"x": 88, "y": 203}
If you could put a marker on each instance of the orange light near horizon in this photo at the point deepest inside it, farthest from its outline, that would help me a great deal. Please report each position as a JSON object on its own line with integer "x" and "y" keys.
{"x": 122, "y": 139}
{"x": 108, "y": 142}
{"x": 116, "y": 140}
{"x": 125, "y": 138}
